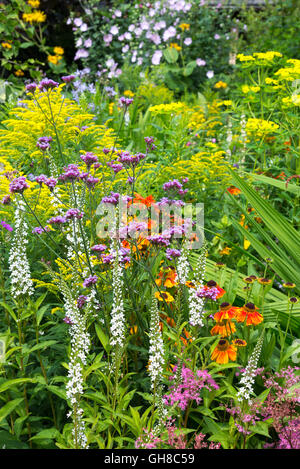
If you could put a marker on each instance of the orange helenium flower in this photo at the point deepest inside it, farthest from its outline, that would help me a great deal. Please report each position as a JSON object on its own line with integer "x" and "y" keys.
{"x": 164, "y": 296}
{"x": 239, "y": 343}
{"x": 167, "y": 277}
{"x": 223, "y": 328}
{"x": 190, "y": 284}
{"x": 227, "y": 311}
{"x": 233, "y": 190}
{"x": 148, "y": 201}
{"x": 248, "y": 312}
{"x": 224, "y": 352}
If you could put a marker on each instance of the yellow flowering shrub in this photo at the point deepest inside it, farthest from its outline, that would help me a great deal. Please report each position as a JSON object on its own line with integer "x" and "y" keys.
{"x": 205, "y": 167}
{"x": 30, "y": 121}
{"x": 171, "y": 108}
{"x": 153, "y": 94}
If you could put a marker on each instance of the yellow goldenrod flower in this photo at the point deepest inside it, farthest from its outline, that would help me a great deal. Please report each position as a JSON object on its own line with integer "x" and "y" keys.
{"x": 168, "y": 108}
{"x": 111, "y": 108}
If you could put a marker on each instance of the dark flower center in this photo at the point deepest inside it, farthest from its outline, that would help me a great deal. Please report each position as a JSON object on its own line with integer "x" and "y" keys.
{"x": 211, "y": 283}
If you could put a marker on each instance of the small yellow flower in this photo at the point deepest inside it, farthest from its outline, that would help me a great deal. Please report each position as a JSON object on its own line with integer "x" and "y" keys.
{"x": 246, "y": 243}
{"x": 133, "y": 330}
{"x": 19, "y": 73}
{"x": 174, "y": 45}
{"x": 227, "y": 102}
{"x": 53, "y": 310}
{"x": 220, "y": 84}
{"x": 111, "y": 108}
{"x": 128, "y": 94}
{"x": 36, "y": 16}
{"x": 58, "y": 50}
{"x": 225, "y": 251}
{"x": 184, "y": 26}
{"x": 271, "y": 81}
{"x": 245, "y": 58}
{"x": 267, "y": 55}
{"x": 6, "y": 45}
{"x": 54, "y": 59}
{"x": 34, "y": 3}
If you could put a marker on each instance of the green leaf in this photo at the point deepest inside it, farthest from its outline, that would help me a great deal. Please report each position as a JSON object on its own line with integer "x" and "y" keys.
{"x": 274, "y": 182}
{"x": 48, "y": 434}
{"x": 188, "y": 70}
{"x": 104, "y": 339}
{"x": 25, "y": 45}
{"x": 285, "y": 253}
{"x": 41, "y": 345}
{"x": 8, "y": 441}
{"x": 171, "y": 55}
{"x": 9, "y": 309}
{"x": 261, "y": 428}
{"x": 14, "y": 382}
{"x": 58, "y": 391}
{"x": 9, "y": 407}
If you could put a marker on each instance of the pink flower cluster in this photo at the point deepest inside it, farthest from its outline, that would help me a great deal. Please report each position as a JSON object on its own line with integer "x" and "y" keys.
{"x": 190, "y": 387}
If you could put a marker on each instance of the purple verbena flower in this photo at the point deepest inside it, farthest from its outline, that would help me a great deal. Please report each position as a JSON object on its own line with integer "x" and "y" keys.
{"x": 6, "y": 200}
{"x": 6, "y": 226}
{"x": 116, "y": 167}
{"x": 47, "y": 84}
{"x": 88, "y": 282}
{"x": 18, "y": 185}
{"x": 58, "y": 220}
{"x": 73, "y": 213}
{"x": 81, "y": 301}
{"x": 172, "y": 253}
{"x": 31, "y": 87}
{"x": 89, "y": 158}
{"x": 51, "y": 183}
{"x": 39, "y": 230}
{"x": 71, "y": 172}
{"x": 112, "y": 199}
{"x": 68, "y": 78}
{"x": 125, "y": 101}
{"x": 41, "y": 179}
{"x": 98, "y": 247}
